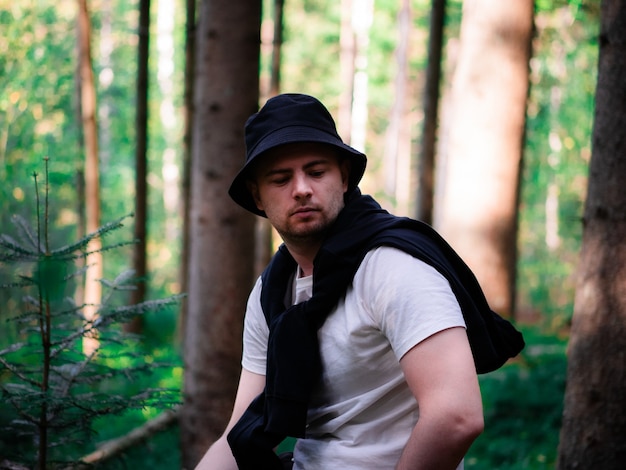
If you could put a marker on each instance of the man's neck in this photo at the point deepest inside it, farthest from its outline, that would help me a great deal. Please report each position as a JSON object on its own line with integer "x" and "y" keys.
{"x": 303, "y": 254}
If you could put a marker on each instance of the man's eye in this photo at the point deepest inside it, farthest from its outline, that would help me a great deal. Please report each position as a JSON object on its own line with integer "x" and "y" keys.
{"x": 317, "y": 173}
{"x": 280, "y": 181}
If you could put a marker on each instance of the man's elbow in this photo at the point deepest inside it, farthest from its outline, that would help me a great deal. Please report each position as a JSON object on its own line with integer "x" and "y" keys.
{"x": 469, "y": 426}
{"x": 476, "y": 425}
{"x": 460, "y": 422}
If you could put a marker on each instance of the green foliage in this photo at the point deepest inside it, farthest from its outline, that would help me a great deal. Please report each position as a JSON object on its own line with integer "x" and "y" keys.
{"x": 38, "y": 117}
{"x": 556, "y": 157}
{"x": 523, "y": 403}
{"x": 36, "y": 102}
{"x": 52, "y": 390}
{"x": 160, "y": 452}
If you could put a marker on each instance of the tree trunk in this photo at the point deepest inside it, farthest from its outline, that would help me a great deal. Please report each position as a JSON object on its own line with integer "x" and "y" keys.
{"x": 426, "y": 178}
{"x": 395, "y": 161}
{"x": 277, "y": 44}
{"x": 221, "y": 234}
{"x": 362, "y": 18}
{"x": 165, "y": 80}
{"x": 79, "y": 291}
{"x": 93, "y": 288}
{"x": 263, "y": 229}
{"x": 480, "y": 192}
{"x": 190, "y": 47}
{"x": 593, "y": 434}
{"x": 347, "y": 67}
{"x": 141, "y": 164}
{"x": 116, "y": 447}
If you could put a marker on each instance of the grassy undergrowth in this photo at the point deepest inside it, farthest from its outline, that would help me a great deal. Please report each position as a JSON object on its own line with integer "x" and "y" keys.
{"x": 523, "y": 404}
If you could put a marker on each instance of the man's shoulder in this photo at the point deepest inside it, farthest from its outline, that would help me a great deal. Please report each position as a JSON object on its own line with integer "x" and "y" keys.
{"x": 385, "y": 265}
{"x": 389, "y": 257}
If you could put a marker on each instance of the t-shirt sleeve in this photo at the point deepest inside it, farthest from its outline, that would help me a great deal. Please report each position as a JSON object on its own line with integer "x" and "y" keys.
{"x": 407, "y": 298}
{"x": 255, "y": 334}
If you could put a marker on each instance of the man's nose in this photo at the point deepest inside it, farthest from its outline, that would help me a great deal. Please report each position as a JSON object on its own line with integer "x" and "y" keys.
{"x": 301, "y": 186}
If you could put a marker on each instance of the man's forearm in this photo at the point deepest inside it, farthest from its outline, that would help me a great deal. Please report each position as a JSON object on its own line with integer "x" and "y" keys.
{"x": 438, "y": 445}
{"x": 218, "y": 457}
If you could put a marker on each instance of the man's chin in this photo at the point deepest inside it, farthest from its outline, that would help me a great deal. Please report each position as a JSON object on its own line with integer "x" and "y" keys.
{"x": 312, "y": 232}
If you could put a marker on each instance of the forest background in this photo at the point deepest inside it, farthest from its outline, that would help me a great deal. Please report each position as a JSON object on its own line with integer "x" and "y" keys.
{"x": 39, "y": 118}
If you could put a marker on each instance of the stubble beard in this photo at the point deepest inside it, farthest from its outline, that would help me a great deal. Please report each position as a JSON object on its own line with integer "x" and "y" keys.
{"x": 310, "y": 236}
{"x": 314, "y": 234}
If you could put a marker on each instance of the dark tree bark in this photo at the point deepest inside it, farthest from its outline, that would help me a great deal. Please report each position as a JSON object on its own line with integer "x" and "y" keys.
{"x": 221, "y": 234}
{"x": 277, "y": 44}
{"x": 593, "y": 434}
{"x": 426, "y": 178}
{"x": 141, "y": 165}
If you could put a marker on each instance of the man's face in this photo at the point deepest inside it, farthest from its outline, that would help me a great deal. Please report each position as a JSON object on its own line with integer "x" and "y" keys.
{"x": 301, "y": 187}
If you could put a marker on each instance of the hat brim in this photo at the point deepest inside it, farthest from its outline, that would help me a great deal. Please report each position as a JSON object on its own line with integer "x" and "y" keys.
{"x": 238, "y": 190}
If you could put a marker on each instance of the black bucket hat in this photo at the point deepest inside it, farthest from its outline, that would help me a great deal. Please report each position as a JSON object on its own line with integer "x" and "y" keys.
{"x": 285, "y": 119}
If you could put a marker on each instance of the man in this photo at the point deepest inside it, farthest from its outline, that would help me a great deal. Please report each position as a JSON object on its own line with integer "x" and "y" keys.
{"x": 353, "y": 341}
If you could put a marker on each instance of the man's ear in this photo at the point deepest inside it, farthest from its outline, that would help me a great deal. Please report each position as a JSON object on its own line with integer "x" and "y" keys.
{"x": 254, "y": 191}
{"x": 345, "y": 166}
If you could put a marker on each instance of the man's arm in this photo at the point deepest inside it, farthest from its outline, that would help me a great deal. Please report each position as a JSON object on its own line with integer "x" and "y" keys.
{"x": 219, "y": 455}
{"x": 441, "y": 374}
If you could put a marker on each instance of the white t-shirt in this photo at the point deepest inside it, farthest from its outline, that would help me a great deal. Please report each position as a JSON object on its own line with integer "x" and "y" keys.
{"x": 362, "y": 413}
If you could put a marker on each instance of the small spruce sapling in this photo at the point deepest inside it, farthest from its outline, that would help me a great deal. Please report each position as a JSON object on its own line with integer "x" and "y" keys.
{"x": 53, "y": 388}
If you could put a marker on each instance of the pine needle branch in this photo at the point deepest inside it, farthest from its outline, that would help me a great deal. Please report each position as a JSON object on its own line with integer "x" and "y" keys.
{"x": 55, "y": 390}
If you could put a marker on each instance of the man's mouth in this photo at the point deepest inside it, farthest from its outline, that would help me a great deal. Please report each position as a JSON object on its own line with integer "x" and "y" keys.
{"x": 303, "y": 211}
